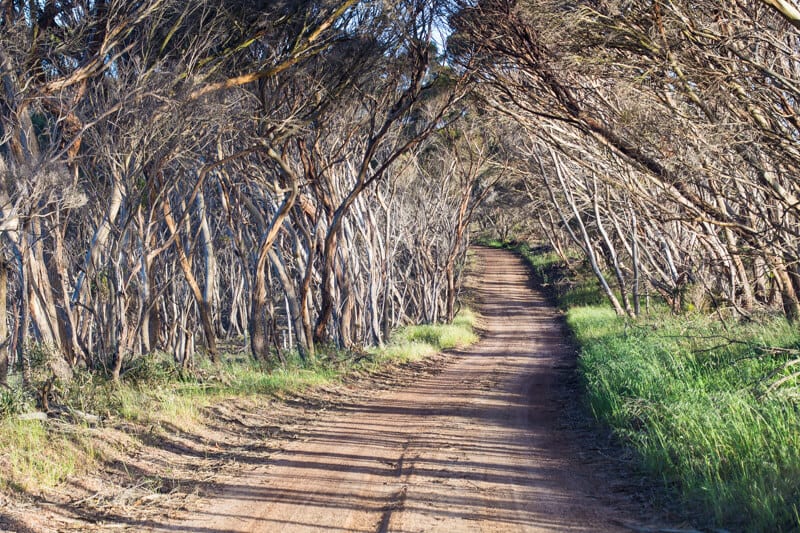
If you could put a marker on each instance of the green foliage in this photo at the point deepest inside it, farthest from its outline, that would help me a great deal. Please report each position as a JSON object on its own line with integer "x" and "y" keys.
{"x": 412, "y": 343}
{"x": 13, "y": 401}
{"x": 692, "y": 396}
{"x": 689, "y": 394}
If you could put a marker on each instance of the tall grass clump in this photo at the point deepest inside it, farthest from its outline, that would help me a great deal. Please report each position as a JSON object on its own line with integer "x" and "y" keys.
{"x": 693, "y": 398}
{"x": 34, "y": 456}
{"x": 412, "y": 343}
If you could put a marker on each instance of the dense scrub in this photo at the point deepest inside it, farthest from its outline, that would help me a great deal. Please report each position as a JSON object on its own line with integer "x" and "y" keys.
{"x": 658, "y": 139}
{"x": 173, "y": 176}
{"x": 708, "y": 404}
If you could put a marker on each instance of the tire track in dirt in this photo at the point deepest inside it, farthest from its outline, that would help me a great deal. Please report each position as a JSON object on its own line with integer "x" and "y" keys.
{"x": 481, "y": 446}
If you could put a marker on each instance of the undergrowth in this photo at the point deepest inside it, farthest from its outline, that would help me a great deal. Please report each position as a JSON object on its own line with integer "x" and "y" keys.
{"x": 38, "y": 455}
{"x": 697, "y": 399}
{"x": 155, "y": 390}
{"x": 413, "y": 343}
{"x": 692, "y": 397}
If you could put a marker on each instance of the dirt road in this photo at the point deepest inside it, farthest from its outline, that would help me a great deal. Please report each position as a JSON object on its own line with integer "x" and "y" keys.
{"x": 480, "y": 446}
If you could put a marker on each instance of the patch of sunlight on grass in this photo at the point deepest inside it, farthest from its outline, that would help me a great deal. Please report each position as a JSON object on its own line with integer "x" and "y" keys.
{"x": 593, "y": 322}
{"x": 412, "y": 343}
{"x": 34, "y": 456}
{"x": 251, "y": 380}
{"x": 406, "y": 351}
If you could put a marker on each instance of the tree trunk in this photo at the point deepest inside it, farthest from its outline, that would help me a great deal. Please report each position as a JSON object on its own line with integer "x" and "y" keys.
{"x": 204, "y": 307}
{"x": 4, "y": 337}
{"x": 259, "y": 341}
{"x": 637, "y": 307}
{"x": 209, "y": 258}
{"x": 450, "y": 272}
{"x": 295, "y": 313}
{"x": 612, "y": 253}
{"x": 791, "y": 304}
{"x": 121, "y": 327}
{"x": 584, "y": 242}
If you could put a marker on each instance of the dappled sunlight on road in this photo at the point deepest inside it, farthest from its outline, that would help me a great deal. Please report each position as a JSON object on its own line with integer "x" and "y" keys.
{"x": 474, "y": 448}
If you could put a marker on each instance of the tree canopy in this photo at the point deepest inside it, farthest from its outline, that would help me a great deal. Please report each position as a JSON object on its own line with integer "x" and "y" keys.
{"x": 309, "y": 173}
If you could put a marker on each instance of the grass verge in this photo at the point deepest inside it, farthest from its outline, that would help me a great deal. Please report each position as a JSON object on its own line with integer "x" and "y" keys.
{"x": 38, "y": 455}
{"x": 692, "y": 397}
{"x": 413, "y": 343}
{"x": 154, "y": 391}
{"x": 697, "y": 400}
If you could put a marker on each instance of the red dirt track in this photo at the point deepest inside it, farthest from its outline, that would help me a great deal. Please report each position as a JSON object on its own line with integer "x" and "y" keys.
{"x": 480, "y": 446}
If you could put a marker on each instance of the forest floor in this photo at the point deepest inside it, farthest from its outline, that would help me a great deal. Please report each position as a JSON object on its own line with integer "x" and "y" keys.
{"x": 490, "y": 438}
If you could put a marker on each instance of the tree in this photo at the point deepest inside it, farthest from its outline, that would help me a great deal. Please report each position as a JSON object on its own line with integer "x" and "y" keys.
{"x": 679, "y": 121}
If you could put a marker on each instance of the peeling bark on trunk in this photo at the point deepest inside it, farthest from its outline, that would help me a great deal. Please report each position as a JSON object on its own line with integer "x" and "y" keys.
{"x": 4, "y": 337}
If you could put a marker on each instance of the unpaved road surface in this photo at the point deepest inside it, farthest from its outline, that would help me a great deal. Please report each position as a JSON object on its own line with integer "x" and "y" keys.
{"x": 481, "y": 446}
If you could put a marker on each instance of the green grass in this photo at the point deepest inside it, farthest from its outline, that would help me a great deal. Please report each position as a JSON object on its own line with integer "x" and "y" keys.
{"x": 692, "y": 397}
{"x": 413, "y": 343}
{"x": 180, "y": 400}
{"x": 154, "y": 389}
{"x": 696, "y": 408}
{"x": 495, "y": 243}
{"x": 36, "y": 456}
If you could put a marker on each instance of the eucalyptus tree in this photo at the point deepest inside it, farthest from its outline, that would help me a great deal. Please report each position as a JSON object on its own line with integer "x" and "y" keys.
{"x": 50, "y": 55}
{"x": 689, "y": 113}
{"x": 462, "y": 164}
{"x": 110, "y": 128}
{"x": 173, "y": 173}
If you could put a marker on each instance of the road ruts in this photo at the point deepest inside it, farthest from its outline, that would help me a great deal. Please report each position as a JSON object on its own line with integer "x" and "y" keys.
{"x": 477, "y": 447}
